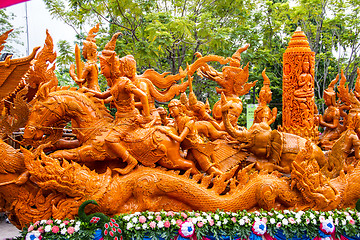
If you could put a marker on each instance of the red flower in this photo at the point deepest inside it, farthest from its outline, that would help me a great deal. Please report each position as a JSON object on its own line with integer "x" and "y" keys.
{"x": 119, "y": 230}
{"x": 113, "y": 220}
{"x": 105, "y": 232}
{"x": 111, "y": 233}
{"x": 106, "y": 225}
{"x": 116, "y": 225}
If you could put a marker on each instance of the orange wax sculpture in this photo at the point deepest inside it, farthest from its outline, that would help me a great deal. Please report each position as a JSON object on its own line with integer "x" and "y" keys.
{"x": 298, "y": 88}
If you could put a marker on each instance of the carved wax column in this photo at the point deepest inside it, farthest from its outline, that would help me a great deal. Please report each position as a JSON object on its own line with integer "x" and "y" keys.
{"x": 298, "y": 88}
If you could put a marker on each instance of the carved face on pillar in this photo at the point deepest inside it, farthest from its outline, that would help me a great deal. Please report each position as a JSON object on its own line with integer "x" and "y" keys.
{"x": 306, "y": 65}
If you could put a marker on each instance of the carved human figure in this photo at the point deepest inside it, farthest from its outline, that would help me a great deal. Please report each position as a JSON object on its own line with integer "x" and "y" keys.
{"x": 331, "y": 118}
{"x": 121, "y": 93}
{"x": 305, "y": 92}
{"x": 128, "y": 69}
{"x": 262, "y": 112}
{"x": 88, "y": 72}
{"x": 233, "y": 81}
{"x": 190, "y": 139}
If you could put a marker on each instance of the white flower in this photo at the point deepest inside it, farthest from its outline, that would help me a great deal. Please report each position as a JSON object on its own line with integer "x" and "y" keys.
{"x": 351, "y": 211}
{"x": 234, "y": 214}
{"x": 47, "y": 228}
{"x": 137, "y": 213}
{"x": 272, "y": 221}
{"x": 348, "y": 218}
{"x": 145, "y": 226}
{"x": 150, "y": 217}
{"x": 134, "y": 220}
{"x": 57, "y": 221}
{"x": 43, "y": 221}
{"x": 173, "y": 221}
{"x": 242, "y": 222}
{"x": 218, "y": 223}
{"x": 63, "y": 231}
{"x": 280, "y": 216}
{"x": 312, "y": 216}
{"x": 321, "y": 218}
{"x": 343, "y": 222}
{"x": 225, "y": 221}
{"x": 72, "y": 221}
{"x": 216, "y": 217}
{"x": 77, "y": 228}
{"x": 187, "y": 229}
{"x": 285, "y": 221}
{"x": 259, "y": 228}
{"x": 286, "y": 212}
{"x": 336, "y": 221}
{"x": 62, "y": 225}
{"x": 78, "y": 223}
{"x": 129, "y": 225}
{"x": 221, "y": 213}
{"x": 256, "y": 219}
{"x": 126, "y": 218}
{"x": 314, "y": 221}
{"x": 298, "y": 220}
{"x": 137, "y": 228}
{"x": 160, "y": 224}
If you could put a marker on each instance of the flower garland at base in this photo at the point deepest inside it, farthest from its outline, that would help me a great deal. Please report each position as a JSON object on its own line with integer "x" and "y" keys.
{"x": 258, "y": 225}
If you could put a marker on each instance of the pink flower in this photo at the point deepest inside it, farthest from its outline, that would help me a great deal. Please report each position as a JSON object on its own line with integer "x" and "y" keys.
{"x": 158, "y": 218}
{"x": 270, "y": 213}
{"x": 352, "y": 221}
{"x": 30, "y": 228}
{"x": 292, "y": 220}
{"x": 66, "y": 222}
{"x": 257, "y": 213}
{"x": 41, "y": 229}
{"x": 49, "y": 222}
{"x": 142, "y": 219}
{"x": 211, "y": 222}
{"x": 152, "y": 224}
{"x": 36, "y": 223}
{"x": 278, "y": 225}
{"x": 70, "y": 230}
{"x": 200, "y": 224}
{"x": 167, "y": 224}
{"x": 179, "y": 222}
{"x": 170, "y": 213}
{"x": 197, "y": 214}
{"x": 55, "y": 229}
{"x": 184, "y": 215}
{"x": 264, "y": 219}
{"x": 233, "y": 219}
{"x": 307, "y": 221}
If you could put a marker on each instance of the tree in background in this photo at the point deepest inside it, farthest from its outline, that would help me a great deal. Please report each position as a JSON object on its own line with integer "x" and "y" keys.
{"x": 5, "y": 25}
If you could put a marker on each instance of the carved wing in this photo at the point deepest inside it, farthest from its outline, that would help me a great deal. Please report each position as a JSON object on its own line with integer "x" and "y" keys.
{"x": 11, "y": 73}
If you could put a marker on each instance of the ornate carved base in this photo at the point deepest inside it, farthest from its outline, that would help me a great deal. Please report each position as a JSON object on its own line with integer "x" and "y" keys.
{"x": 308, "y": 133}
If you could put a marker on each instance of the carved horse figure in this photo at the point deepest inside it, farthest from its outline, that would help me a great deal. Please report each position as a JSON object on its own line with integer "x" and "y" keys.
{"x": 91, "y": 123}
